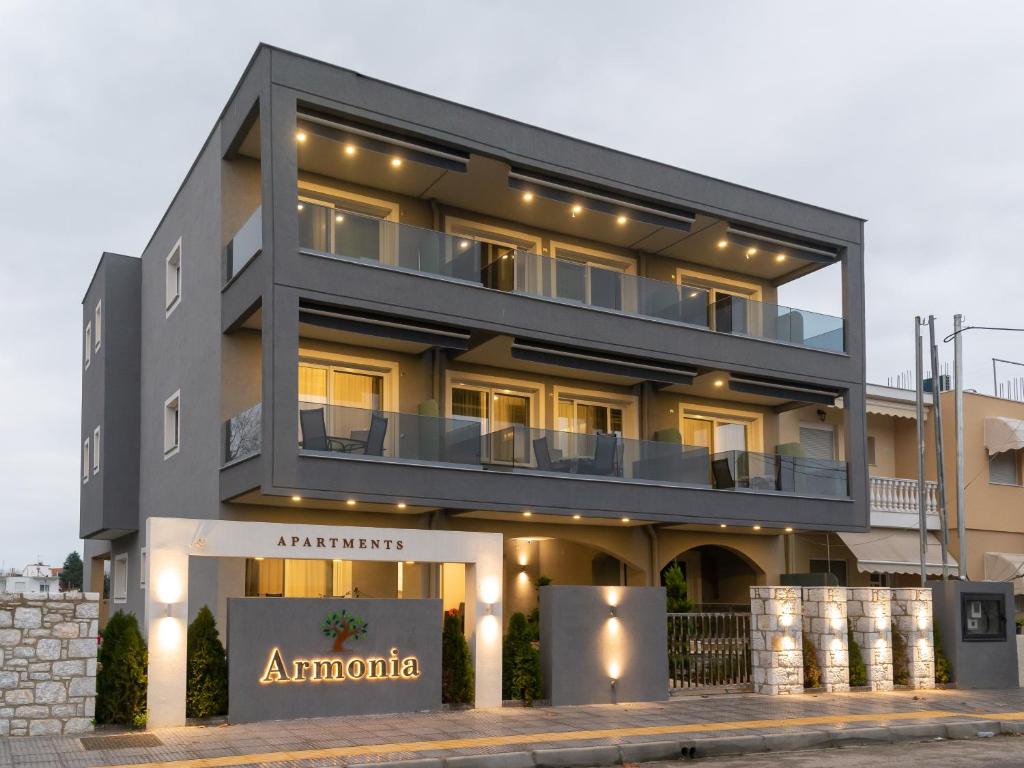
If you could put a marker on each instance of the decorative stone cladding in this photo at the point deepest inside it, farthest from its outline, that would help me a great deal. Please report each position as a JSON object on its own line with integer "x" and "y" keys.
{"x": 824, "y": 624}
{"x": 870, "y": 612}
{"x": 912, "y": 615}
{"x": 776, "y": 642}
{"x": 47, "y": 662}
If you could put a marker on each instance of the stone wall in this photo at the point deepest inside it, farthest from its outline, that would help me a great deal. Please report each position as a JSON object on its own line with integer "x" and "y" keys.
{"x": 824, "y": 625}
{"x": 912, "y": 615}
{"x": 776, "y": 640}
{"x": 47, "y": 662}
{"x": 870, "y": 612}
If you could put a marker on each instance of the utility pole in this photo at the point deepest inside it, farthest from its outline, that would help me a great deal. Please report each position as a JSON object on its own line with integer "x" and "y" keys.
{"x": 921, "y": 515}
{"x": 940, "y": 473}
{"x": 961, "y": 511}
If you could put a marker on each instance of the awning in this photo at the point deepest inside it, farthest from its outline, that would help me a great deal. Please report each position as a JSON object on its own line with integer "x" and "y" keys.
{"x": 1005, "y": 566}
{"x": 899, "y": 410}
{"x": 887, "y": 550}
{"x": 1002, "y": 434}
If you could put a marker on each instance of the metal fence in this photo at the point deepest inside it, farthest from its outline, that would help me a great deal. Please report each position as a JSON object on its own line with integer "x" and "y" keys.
{"x": 707, "y": 650}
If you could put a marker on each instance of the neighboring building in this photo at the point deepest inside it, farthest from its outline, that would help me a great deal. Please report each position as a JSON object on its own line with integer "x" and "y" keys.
{"x": 33, "y": 578}
{"x": 370, "y": 306}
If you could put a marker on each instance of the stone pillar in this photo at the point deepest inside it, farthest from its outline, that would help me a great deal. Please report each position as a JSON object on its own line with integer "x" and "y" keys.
{"x": 776, "y": 640}
{"x": 824, "y": 624}
{"x": 912, "y": 614}
{"x": 869, "y": 610}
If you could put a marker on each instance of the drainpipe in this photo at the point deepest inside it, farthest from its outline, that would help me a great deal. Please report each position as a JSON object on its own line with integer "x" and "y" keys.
{"x": 653, "y": 577}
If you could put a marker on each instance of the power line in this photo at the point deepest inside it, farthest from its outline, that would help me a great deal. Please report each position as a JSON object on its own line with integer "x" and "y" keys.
{"x": 980, "y": 328}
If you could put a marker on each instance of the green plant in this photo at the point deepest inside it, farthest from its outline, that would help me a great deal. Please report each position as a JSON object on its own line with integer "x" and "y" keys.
{"x": 812, "y": 672}
{"x": 520, "y": 678}
{"x": 206, "y": 686}
{"x": 139, "y": 721}
{"x": 456, "y": 665}
{"x": 943, "y": 673}
{"x": 533, "y": 620}
{"x": 71, "y": 573}
{"x": 858, "y": 672}
{"x": 121, "y": 675}
{"x": 675, "y": 589}
{"x": 900, "y": 660}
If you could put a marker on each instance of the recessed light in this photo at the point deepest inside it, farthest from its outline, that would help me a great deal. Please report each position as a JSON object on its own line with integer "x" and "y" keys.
{"x": 301, "y": 206}
{"x": 694, "y": 294}
{"x": 621, "y": 220}
{"x": 625, "y": 519}
{"x": 722, "y": 525}
{"x": 723, "y": 243}
{"x": 577, "y": 210}
{"x": 527, "y": 197}
{"x": 350, "y": 149}
{"x": 751, "y": 252}
{"x": 396, "y": 162}
{"x": 339, "y": 218}
{"x": 257, "y": 558}
{"x": 401, "y": 505}
{"x": 464, "y": 244}
{"x": 757, "y": 527}
{"x": 576, "y": 517}
{"x": 410, "y": 562}
{"x": 719, "y": 383}
{"x": 781, "y": 257}
{"x": 300, "y": 136}
{"x": 788, "y": 529}
{"x": 296, "y": 498}
{"x": 527, "y": 513}
{"x": 351, "y": 502}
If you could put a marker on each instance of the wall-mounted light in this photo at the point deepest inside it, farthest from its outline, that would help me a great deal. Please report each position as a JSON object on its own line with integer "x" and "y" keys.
{"x": 396, "y": 162}
{"x": 300, "y": 136}
{"x": 611, "y": 612}
{"x": 350, "y": 149}
{"x": 577, "y": 210}
{"x": 621, "y": 220}
{"x": 719, "y": 382}
{"x": 527, "y": 197}
{"x": 723, "y": 243}
{"x": 781, "y": 257}
{"x": 751, "y": 252}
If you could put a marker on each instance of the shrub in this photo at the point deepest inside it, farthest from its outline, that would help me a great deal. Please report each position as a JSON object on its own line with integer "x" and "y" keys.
{"x": 858, "y": 672}
{"x": 675, "y": 589}
{"x": 900, "y": 661}
{"x": 943, "y": 674}
{"x": 520, "y": 678}
{"x": 206, "y": 687}
{"x": 812, "y": 672}
{"x": 456, "y": 667}
{"x": 121, "y": 677}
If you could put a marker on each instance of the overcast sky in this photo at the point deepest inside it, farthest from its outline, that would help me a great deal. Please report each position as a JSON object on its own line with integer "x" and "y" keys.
{"x": 907, "y": 114}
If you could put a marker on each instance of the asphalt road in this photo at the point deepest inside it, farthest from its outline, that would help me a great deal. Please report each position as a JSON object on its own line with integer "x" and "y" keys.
{"x": 997, "y": 752}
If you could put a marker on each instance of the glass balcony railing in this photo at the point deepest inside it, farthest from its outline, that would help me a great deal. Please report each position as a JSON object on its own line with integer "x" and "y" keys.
{"x": 244, "y": 246}
{"x": 329, "y": 230}
{"x": 242, "y": 434}
{"x": 771, "y": 473}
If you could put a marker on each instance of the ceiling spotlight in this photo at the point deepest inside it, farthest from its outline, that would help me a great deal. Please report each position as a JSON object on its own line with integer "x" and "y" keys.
{"x": 350, "y": 149}
{"x": 694, "y": 294}
{"x": 527, "y": 197}
{"x": 401, "y": 505}
{"x": 781, "y": 257}
{"x": 625, "y": 519}
{"x": 301, "y": 206}
{"x": 757, "y": 527}
{"x": 577, "y": 210}
{"x": 722, "y": 525}
{"x": 527, "y": 513}
{"x": 723, "y": 243}
{"x": 576, "y": 517}
{"x": 351, "y": 502}
{"x": 751, "y": 252}
{"x": 296, "y": 498}
{"x": 396, "y": 162}
{"x": 719, "y": 383}
{"x": 339, "y": 218}
{"x": 300, "y": 137}
{"x": 788, "y": 529}
{"x": 464, "y": 244}
{"x": 621, "y": 220}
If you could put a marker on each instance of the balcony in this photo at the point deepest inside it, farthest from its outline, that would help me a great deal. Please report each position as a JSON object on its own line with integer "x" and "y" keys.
{"x": 327, "y": 231}
{"x": 894, "y": 502}
{"x": 344, "y": 431}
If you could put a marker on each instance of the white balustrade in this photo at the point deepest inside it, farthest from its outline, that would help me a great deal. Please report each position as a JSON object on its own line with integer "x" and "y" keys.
{"x": 897, "y": 494}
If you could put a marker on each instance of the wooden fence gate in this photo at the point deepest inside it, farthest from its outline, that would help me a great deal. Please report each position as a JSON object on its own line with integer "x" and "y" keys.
{"x": 709, "y": 650}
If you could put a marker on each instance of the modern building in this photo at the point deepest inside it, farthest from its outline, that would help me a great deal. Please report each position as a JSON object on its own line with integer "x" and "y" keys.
{"x": 34, "y": 578}
{"x": 369, "y": 306}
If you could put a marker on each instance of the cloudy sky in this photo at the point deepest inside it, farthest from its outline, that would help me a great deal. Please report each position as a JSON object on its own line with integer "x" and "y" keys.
{"x": 907, "y": 114}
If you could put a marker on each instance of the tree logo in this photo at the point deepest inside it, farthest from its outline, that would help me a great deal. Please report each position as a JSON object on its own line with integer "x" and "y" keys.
{"x": 343, "y": 626}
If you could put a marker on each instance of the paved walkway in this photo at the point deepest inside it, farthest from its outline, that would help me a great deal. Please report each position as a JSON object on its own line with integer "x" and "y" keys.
{"x": 365, "y": 739}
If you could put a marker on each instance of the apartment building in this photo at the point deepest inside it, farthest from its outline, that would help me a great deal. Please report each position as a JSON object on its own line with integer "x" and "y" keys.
{"x": 370, "y": 306}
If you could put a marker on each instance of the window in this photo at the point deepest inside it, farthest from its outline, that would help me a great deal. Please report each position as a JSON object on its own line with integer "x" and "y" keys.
{"x": 120, "y": 580}
{"x": 85, "y": 460}
{"x": 871, "y": 451}
{"x": 836, "y": 567}
{"x": 588, "y": 418}
{"x": 818, "y": 441}
{"x": 172, "y": 424}
{"x": 88, "y": 344}
{"x": 44, "y": 587}
{"x": 880, "y": 579}
{"x": 173, "y": 287}
{"x": 1004, "y": 468}
{"x": 589, "y": 276}
{"x": 347, "y": 224}
{"x": 498, "y": 411}
{"x": 98, "y": 322}
{"x": 96, "y": 451}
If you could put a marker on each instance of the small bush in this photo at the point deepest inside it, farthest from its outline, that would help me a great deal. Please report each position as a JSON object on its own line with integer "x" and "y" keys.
{"x": 900, "y": 660}
{"x": 121, "y": 677}
{"x": 943, "y": 674}
{"x": 812, "y": 672}
{"x": 675, "y": 589}
{"x": 206, "y": 688}
{"x": 858, "y": 672}
{"x": 520, "y": 678}
{"x": 456, "y": 666}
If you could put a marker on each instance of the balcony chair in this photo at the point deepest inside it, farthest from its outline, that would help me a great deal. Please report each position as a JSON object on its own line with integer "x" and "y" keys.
{"x": 545, "y": 461}
{"x": 605, "y": 454}
{"x": 722, "y": 474}
{"x": 314, "y": 432}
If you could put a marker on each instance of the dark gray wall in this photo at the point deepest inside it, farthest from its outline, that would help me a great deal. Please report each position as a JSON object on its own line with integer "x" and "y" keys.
{"x": 258, "y": 625}
{"x": 580, "y": 640}
{"x": 978, "y": 663}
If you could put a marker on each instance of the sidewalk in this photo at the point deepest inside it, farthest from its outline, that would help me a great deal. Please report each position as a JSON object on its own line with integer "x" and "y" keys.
{"x": 523, "y": 737}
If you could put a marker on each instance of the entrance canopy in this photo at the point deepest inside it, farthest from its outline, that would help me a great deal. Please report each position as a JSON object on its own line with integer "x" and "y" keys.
{"x": 896, "y": 551}
{"x": 1005, "y": 566}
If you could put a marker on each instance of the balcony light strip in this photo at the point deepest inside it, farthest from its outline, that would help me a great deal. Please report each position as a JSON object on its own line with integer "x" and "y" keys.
{"x": 788, "y": 387}
{"x": 602, "y": 198}
{"x": 382, "y": 137}
{"x": 785, "y": 243}
{"x": 385, "y": 323}
{"x": 608, "y": 360}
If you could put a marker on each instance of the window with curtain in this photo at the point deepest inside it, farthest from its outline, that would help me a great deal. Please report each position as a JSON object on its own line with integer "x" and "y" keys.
{"x": 496, "y": 410}
{"x": 275, "y": 577}
{"x": 716, "y": 434}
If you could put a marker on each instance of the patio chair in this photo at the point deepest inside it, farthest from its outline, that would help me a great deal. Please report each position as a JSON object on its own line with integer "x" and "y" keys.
{"x": 722, "y": 474}
{"x": 605, "y": 452}
{"x": 375, "y": 437}
{"x": 544, "y": 460}
{"x": 314, "y": 432}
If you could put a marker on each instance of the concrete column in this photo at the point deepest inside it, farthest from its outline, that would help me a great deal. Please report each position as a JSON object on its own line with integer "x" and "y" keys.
{"x": 912, "y": 615}
{"x": 870, "y": 611}
{"x": 824, "y": 624}
{"x": 776, "y": 640}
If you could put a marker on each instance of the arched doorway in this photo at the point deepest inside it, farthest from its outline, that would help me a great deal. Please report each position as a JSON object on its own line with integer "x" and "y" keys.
{"x": 717, "y": 578}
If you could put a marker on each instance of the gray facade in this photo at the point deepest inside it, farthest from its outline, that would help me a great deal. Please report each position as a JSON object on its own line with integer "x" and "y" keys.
{"x": 982, "y": 650}
{"x": 232, "y": 343}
